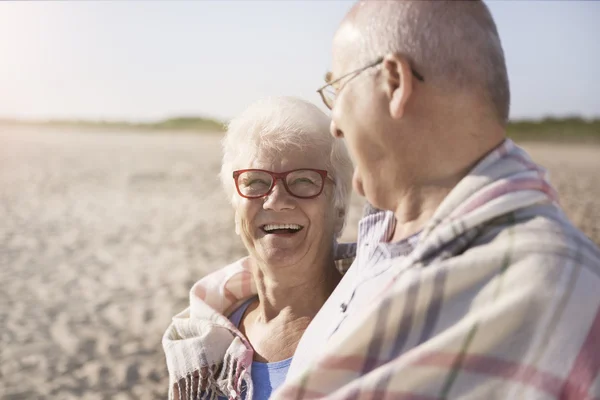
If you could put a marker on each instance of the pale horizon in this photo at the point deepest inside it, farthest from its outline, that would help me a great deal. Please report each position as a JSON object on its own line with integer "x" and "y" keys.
{"x": 134, "y": 61}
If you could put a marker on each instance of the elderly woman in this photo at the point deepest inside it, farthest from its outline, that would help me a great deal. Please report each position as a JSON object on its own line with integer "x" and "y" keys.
{"x": 289, "y": 183}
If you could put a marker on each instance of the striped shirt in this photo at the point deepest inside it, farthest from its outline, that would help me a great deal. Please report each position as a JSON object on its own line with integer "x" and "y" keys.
{"x": 372, "y": 269}
{"x": 498, "y": 299}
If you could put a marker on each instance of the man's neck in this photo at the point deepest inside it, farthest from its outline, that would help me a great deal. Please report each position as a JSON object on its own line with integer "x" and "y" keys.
{"x": 415, "y": 209}
{"x": 417, "y": 205}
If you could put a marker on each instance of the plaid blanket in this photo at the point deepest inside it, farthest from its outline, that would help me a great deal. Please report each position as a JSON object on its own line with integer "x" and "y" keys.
{"x": 500, "y": 299}
{"x": 207, "y": 356}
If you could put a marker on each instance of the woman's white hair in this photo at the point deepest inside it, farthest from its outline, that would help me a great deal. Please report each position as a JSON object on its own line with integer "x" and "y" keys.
{"x": 277, "y": 124}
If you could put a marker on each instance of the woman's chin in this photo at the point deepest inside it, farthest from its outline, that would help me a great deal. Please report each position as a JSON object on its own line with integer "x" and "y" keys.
{"x": 279, "y": 248}
{"x": 280, "y": 256}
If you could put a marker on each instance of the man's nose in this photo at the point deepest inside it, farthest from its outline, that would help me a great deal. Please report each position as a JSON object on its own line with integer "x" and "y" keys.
{"x": 279, "y": 199}
{"x": 335, "y": 132}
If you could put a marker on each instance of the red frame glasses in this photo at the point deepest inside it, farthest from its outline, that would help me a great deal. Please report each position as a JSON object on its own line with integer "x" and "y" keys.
{"x": 280, "y": 175}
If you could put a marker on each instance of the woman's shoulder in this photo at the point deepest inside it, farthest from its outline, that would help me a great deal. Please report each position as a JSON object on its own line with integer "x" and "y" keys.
{"x": 238, "y": 313}
{"x": 224, "y": 289}
{"x": 344, "y": 255}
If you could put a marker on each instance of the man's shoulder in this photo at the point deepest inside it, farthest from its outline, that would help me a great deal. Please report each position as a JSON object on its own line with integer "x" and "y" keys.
{"x": 374, "y": 221}
{"x": 540, "y": 232}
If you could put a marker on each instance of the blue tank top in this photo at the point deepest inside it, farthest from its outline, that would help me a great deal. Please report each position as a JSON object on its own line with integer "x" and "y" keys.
{"x": 266, "y": 377}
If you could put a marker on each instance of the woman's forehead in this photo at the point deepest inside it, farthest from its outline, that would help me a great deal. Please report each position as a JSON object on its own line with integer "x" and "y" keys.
{"x": 287, "y": 159}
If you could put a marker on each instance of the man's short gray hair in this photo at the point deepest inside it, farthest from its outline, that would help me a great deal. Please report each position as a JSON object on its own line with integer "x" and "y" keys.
{"x": 277, "y": 124}
{"x": 453, "y": 44}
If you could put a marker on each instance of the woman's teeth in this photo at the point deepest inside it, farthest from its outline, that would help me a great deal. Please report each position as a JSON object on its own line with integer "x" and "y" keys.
{"x": 290, "y": 228}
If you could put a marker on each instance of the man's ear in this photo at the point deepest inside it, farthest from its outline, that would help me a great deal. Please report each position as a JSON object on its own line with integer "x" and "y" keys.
{"x": 398, "y": 83}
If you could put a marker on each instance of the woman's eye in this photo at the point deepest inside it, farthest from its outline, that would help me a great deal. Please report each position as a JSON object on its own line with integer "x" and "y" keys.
{"x": 254, "y": 182}
{"x": 303, "y": 180}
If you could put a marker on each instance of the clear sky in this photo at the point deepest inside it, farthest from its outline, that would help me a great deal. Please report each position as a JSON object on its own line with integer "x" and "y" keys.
{"x": 150, "y": 60}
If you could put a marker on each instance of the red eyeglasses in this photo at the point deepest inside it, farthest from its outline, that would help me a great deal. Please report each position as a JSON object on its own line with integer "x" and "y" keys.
{"x": 303, "y": 183}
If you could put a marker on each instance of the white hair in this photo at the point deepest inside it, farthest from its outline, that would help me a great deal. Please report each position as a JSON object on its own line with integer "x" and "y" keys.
{"x": 277, "y": 124}
{"x": 453, "y": 44}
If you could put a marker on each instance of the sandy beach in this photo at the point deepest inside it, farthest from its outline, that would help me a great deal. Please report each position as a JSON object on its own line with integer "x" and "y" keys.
{"x": 103, "y": 233}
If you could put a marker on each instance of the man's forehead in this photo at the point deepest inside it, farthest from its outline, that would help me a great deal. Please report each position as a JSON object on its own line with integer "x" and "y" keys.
{"x": 346, "y": 42}
{"x": 348, "y": 33}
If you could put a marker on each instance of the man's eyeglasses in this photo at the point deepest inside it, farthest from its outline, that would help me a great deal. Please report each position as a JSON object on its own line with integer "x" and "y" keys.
{"x": 328, "y": 92}
{"x": 302, "y": 183}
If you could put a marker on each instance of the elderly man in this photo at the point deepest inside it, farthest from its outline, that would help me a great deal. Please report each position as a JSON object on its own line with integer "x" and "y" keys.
{"x": 470, "y": 282}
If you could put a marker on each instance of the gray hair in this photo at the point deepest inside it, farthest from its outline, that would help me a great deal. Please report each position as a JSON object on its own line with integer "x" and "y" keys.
{"x": 275, "y": 124}
{"x": 453, "y": 44}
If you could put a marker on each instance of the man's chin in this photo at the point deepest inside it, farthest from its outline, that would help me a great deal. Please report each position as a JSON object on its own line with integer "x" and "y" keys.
{"x": 358, "y": 189}
{"x": 368, "y": 193}
{"x": 357, "y": 184}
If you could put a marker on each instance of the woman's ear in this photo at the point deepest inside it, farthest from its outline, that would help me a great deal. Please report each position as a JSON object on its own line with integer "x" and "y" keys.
{"x": 236, "y": 217}
{"x": 237, "y": 224}
{"x": 339, "y": 222}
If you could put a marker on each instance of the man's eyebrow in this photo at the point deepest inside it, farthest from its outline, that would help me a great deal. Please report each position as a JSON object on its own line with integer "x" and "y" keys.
{"x": 328, "y": 77}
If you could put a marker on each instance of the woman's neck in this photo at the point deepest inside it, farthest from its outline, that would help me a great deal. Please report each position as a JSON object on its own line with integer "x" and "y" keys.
{"x": 287, "y": 303}
{"x": 296, "y": 295}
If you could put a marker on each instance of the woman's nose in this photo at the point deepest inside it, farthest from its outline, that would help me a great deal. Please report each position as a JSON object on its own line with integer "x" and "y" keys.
{"x": 279, "y": 198}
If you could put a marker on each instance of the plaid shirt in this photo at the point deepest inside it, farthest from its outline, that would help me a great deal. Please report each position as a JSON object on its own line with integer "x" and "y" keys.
{"x": 372, "y": 269}
{"x": 499, "y": 299}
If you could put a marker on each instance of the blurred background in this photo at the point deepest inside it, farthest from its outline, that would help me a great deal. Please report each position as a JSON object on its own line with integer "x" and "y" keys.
{"x": 111, "y": 115}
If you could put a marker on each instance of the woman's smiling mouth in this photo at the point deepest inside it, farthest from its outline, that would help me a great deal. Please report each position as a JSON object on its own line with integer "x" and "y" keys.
{"x": 281, "y": 228}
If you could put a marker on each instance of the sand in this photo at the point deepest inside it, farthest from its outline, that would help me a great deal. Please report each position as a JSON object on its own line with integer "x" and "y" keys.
{"x": 103, "y": 233}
